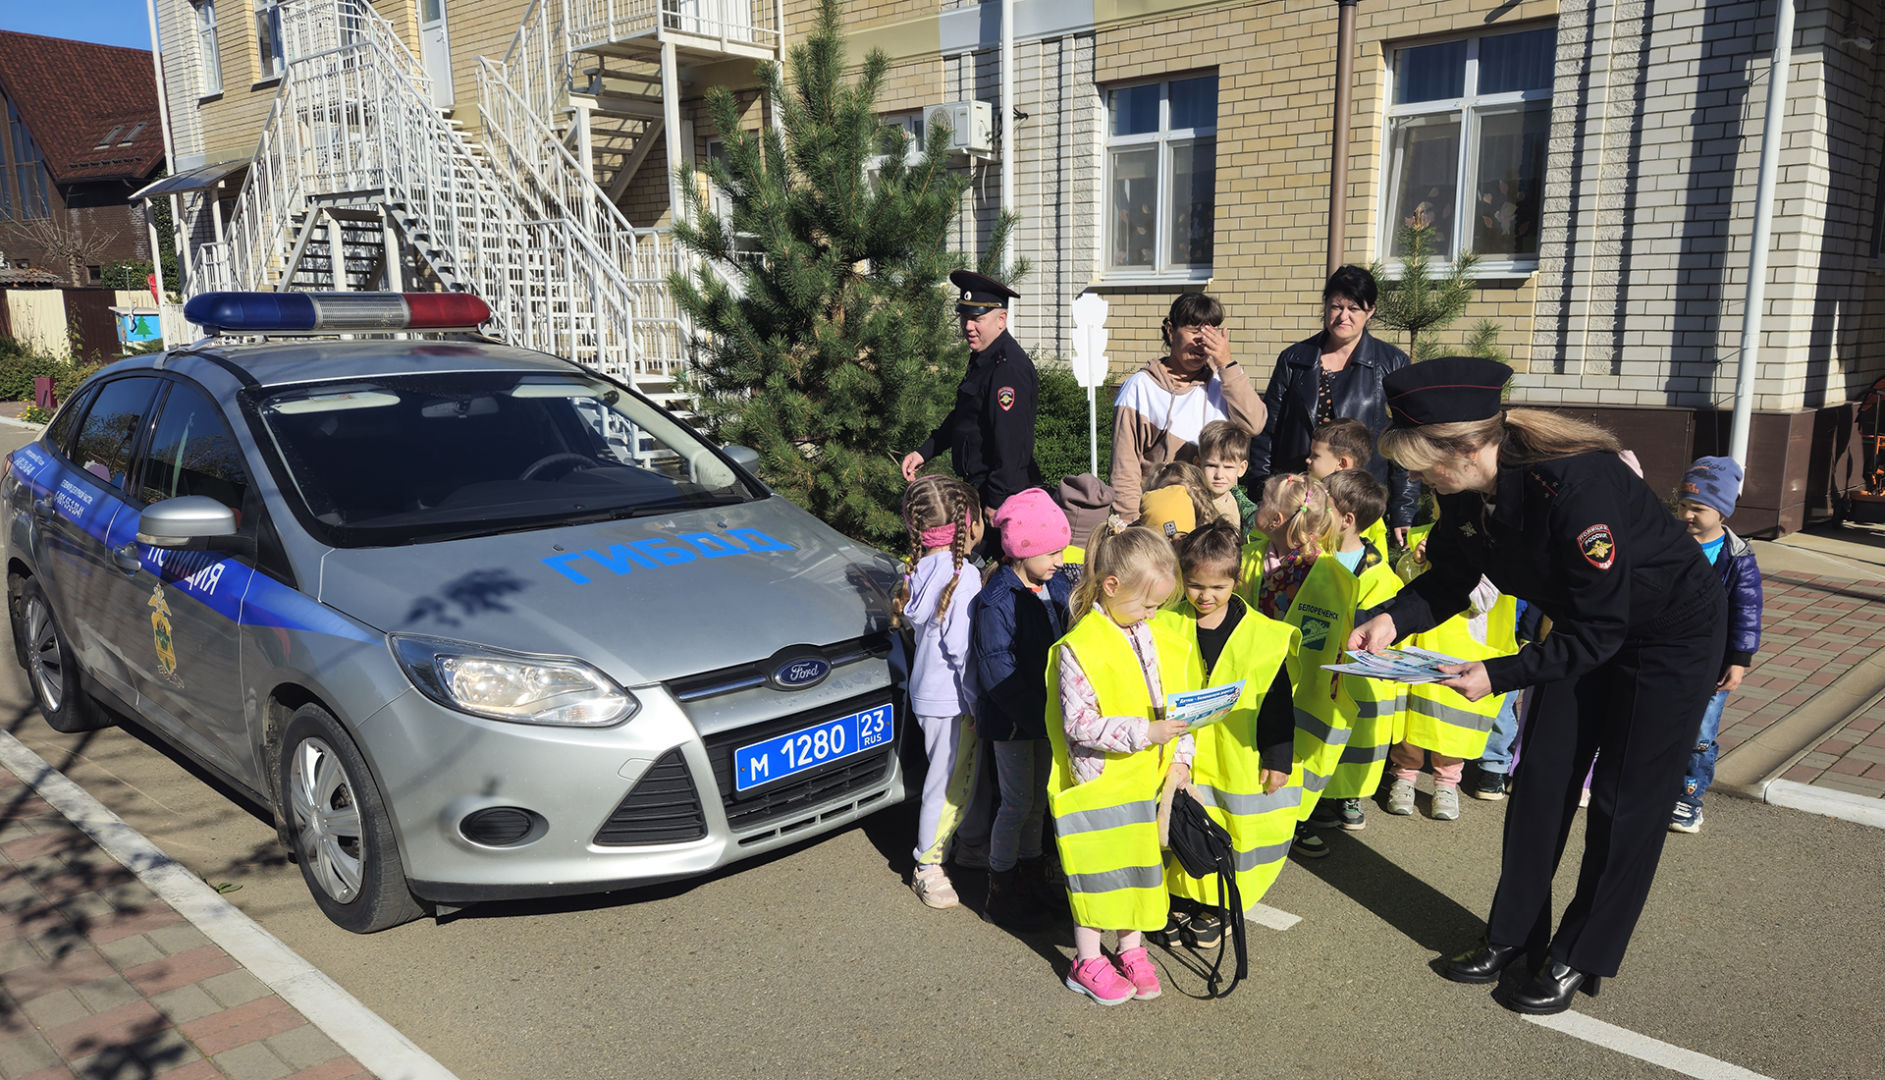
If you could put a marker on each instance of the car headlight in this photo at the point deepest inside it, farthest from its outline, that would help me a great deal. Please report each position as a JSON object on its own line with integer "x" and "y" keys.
{"x": 503, "y": 685}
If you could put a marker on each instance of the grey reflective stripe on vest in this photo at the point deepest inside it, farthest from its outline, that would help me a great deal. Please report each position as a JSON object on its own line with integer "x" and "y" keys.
{"x": 1107, "y": 817}
{"x": 1313, "y": 783}
{"x": 1310, "y": 724}
{"x": 1364, "y": 755}
{"x": 1244, "y": 805}
{"x": 1263, "y": 856}
{"x": 1448, "y": 714}
{"x": 1372, "y": 708}
{"x": 1126, "y": 877}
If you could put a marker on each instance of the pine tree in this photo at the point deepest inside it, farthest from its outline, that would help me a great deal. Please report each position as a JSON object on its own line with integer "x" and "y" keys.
{"x": 1419, "y": 302}
{"x": 830, "y": 347}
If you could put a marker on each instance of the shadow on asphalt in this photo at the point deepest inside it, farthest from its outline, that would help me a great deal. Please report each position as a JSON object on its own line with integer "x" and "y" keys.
{"x": 1424, "y": 914}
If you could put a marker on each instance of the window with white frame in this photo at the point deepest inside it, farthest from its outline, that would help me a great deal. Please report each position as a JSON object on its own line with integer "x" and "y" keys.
{"x": 1161, "y": 176}
{"x": 268, "y": 40}
{"x": 206, "y": 51}
{"x": 1468, "y": 128}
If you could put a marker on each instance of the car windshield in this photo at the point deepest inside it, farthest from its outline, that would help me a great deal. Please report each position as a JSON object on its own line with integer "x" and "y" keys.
{"x": 410, "y": 459}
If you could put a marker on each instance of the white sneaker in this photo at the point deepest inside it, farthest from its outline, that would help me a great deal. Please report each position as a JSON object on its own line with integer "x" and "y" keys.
{"x": 1446, "y": 803}
{"x": 933, "y": 887}
{"x": 1400, "y": 798}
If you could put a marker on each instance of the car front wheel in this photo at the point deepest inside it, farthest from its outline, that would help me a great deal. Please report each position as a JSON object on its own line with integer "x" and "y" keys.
{"x": 50, "y": 666}
{"x": 342, "y": 835}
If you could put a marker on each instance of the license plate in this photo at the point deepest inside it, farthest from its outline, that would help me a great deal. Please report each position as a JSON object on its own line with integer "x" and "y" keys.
{"x": 807, "y": 748}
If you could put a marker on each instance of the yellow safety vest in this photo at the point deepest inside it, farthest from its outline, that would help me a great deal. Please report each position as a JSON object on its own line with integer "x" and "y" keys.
{"x": 1437, "y": 718}
{"x": 1405, "y": 567}
{"x": 1377, "y": 534}
{"x": 1107, "y": 829}
{"x": 1372, "y": 706}
{"x": 1323, "y": 613}
{"x": 1250, "y": 569}
{"x": 1227, "y": 771}
{"x": 1073, "y": 553}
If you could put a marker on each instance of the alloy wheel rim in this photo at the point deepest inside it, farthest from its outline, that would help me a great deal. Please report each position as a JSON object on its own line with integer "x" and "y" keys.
{"x": 43, "y": 655}
{"x": 327, "y": 820}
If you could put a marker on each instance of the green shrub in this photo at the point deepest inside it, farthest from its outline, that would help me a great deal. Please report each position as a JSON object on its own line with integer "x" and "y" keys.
{"x": 1060, "y": 426}
{"x": 20, "y": 366}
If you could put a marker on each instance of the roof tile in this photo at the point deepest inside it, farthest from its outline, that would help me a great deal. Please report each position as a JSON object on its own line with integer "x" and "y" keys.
{"x": 73, "y": 93}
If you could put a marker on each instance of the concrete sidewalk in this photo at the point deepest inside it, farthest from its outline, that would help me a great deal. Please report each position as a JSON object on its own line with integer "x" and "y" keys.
{"x": 1810, "y": 717}
{"x": 101, "y": 977}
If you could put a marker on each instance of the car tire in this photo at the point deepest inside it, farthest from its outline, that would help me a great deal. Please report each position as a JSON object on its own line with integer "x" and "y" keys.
{"x": 342, "y": 835}
{"x": 51, "y": 669}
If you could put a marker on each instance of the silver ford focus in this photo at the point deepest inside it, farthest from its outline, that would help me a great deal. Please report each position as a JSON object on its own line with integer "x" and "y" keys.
{"x": 475, "y": 622}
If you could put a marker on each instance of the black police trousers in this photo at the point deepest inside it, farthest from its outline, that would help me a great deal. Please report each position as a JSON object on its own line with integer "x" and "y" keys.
{"x": 1638, "y": 714}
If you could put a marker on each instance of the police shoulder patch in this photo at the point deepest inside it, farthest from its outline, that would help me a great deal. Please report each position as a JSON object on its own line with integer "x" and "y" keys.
{"x": 1004, "y": 397}
{"x": 1598, "y": 547}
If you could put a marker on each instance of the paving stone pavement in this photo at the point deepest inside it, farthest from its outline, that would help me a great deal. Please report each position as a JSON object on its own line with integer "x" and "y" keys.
{"x": 99, "y": 977}
{"x": 1814, "y": 628}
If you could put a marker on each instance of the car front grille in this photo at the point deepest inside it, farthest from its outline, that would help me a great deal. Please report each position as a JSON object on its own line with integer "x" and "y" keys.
{"x": 746, "y": 676}
{"x": 662, "y": 808}
{"x": 792, "y": 796}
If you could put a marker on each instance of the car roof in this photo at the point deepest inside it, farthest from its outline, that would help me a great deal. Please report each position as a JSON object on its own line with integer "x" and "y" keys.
{"x": 305, "y": 360}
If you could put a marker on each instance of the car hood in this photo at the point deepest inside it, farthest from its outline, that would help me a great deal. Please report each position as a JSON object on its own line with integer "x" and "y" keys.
{"x": 645, "y": 599}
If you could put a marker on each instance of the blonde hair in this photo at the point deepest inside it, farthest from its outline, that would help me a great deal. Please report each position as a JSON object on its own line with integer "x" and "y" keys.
{"x": 1136, "y": 556}
{"x": 935, "y": 500}
{"x": 1310, "y": 523}
{"x": 1523, "y": 436}
{"x": 1188, "y": 476}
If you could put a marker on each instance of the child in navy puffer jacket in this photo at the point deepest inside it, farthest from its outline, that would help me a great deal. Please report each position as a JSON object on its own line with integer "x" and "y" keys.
{"x": 1707, "y": 496}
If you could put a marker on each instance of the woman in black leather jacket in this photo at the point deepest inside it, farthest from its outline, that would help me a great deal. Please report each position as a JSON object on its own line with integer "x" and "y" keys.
{"x": 1335, "y": 375}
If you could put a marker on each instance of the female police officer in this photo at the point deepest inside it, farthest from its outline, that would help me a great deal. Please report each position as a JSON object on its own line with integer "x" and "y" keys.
{"x": 1543, "y": 506}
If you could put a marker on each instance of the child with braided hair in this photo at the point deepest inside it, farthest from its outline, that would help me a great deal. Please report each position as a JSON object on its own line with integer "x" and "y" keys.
{"x": 944, "y": 519}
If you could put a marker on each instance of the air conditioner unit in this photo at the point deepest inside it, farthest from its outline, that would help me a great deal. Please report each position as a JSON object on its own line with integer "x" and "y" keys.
{"x": 971, "y": 126}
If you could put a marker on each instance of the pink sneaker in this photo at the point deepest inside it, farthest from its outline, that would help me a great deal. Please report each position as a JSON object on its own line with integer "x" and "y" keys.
{"x": 1137, "y": 967}
{"x": 1097, "y": 979}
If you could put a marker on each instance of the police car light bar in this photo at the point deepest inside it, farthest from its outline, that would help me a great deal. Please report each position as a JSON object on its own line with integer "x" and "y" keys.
{"x": 333, "y": 312}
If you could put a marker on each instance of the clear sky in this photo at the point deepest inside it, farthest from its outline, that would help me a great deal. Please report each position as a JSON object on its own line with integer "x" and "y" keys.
{"x": 110, "y": 22}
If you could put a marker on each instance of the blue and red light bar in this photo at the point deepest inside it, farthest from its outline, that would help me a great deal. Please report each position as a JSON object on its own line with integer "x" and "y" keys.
{"x": 333, "y": 312}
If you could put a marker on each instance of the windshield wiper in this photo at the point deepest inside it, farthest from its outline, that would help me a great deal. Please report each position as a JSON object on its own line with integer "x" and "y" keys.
{"x": 620, "y": 513}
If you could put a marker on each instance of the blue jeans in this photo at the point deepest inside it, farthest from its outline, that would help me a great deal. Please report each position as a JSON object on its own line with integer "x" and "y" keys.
{"x": 1498, "y": 755}
{"x": 1701, "y": 770}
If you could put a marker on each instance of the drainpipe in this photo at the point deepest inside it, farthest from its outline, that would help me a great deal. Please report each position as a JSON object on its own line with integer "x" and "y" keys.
{"x": 170, "y": 169}
{"x": 1755, "y": 303}
{"x": 671, "y": 120}
{"x": 1338, "y": 162}
{"x": 1007, "y": 125}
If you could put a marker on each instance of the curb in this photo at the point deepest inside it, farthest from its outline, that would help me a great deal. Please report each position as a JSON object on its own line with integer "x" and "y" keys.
{"x": 1830, "y": 802}
{"x": 1755, "y": 766}
{"x": 373, "y": 1042}
{"x": 13, "y": 422}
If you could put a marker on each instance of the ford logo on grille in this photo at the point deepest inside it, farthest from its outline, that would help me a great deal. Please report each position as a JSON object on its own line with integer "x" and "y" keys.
{"x": 800, "y": 673}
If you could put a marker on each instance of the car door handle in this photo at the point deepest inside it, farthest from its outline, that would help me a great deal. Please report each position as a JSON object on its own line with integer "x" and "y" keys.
{"x": 125, "y": 558}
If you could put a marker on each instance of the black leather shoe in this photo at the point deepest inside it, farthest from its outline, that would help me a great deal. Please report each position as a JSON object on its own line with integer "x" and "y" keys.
{"x": 1483, "y": 964}
{"x": 1551, "y": 990}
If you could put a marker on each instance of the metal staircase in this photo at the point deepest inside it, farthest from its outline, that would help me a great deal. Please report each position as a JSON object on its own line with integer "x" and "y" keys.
{"x": 359, "y": 182}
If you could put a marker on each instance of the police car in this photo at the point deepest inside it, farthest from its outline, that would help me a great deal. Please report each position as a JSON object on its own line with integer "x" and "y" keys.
{"x": 476, "y": 622}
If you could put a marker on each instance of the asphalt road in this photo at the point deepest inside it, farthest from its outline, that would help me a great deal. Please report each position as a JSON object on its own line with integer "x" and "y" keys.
{"x": 1761, "y": 946}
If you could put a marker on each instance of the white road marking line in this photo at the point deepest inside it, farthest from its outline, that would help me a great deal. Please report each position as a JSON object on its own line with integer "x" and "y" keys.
{"x": 1644, "y": 1048}
{"x": 360, "y": 1031}
{"x": 1274, "y": 918}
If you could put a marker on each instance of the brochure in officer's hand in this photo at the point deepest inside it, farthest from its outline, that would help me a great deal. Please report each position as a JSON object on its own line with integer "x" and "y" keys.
{"x": 1408, "y": 664}
{"x": 1200, "y": 708}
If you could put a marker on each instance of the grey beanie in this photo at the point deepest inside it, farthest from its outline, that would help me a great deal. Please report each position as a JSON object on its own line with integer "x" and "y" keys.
{"x": 1713, "y": 482}
{"x": 1086, "y": 500}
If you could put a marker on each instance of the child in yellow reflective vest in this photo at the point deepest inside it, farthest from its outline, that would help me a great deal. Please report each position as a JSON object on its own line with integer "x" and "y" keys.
{"x": 1373, "y": 705}
{"x": 1114, "y": 749}
{"x": 1337, "y": 446}
{"x": 1242, "y": 770}
{"x": 1286, "y": 578}
{"x": 1437, "y": 724}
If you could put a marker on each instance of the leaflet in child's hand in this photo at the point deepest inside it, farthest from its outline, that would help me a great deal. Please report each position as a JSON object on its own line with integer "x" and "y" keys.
{"x": 1201, "y": 708}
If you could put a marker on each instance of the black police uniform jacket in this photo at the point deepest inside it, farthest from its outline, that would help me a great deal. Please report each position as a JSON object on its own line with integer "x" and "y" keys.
{"x": 1584, "y": 539}
{"x": 990, "y": 431}
{"x": 1291, "y": 400}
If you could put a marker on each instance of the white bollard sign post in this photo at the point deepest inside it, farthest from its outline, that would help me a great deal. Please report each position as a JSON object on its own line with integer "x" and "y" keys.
{"x": 1089, "y": 363}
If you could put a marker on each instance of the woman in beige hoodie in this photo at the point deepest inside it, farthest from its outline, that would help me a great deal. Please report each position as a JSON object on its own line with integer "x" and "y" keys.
{"x": 1162, "y": 407}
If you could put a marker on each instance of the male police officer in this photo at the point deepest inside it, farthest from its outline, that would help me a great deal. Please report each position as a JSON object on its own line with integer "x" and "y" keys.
{"x": 991, "y": 428}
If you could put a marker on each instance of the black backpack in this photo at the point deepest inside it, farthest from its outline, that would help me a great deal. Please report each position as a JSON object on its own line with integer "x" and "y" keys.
{"x": 1203, "y": 848}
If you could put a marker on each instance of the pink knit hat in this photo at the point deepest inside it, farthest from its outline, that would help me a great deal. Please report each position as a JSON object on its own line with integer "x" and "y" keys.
{"x": 1031, "y": 525}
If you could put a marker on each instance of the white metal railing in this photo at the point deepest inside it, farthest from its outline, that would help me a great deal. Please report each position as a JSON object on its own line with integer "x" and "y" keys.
{"x": 560, "y": 267}
{"x": 746, "y": 22}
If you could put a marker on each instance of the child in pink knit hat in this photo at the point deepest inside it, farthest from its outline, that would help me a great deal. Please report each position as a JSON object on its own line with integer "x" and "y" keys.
{"x": 1018, "y": 615}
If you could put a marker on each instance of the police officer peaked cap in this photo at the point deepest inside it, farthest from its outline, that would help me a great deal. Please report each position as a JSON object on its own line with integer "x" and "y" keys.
{"x": 1445, "y": 390}
{"x": 978, "y": 294}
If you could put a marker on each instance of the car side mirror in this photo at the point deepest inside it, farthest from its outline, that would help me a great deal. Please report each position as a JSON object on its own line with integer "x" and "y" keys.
{"x": 187, "y": 522}
{"x": 744, "y": 456}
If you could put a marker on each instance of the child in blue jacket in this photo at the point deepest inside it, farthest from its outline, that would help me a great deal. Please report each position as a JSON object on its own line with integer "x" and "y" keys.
{"x": 1018, "y": 615}
{"x": 1705, "y": 499}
